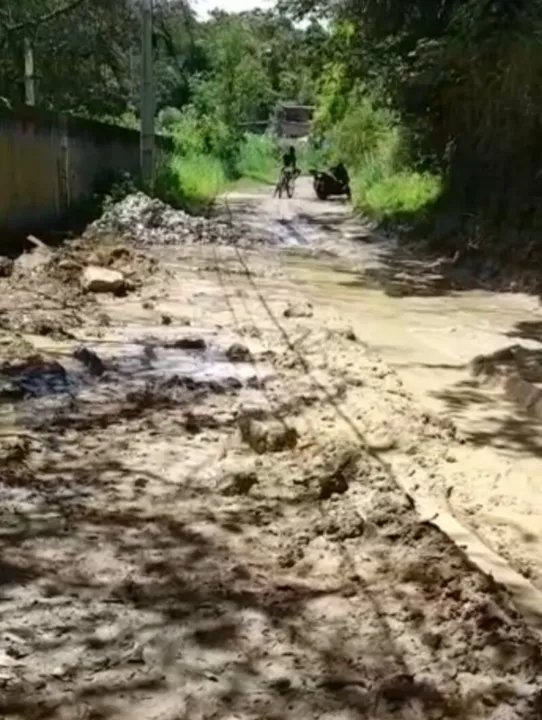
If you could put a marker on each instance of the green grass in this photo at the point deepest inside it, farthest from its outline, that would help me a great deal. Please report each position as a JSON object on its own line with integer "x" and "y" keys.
{"x": 384, "y": 186}
{"x": 199, "y": 177}
{"x": 258, "y": 159}
{"x": 396, "y": 195}
{"x": 190, "y": 181}
{"x": 209, "y": 158}
{"x": 369, "y": 139}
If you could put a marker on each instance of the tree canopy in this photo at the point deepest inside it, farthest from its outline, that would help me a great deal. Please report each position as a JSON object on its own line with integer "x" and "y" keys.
{"x": 87, "y": 57}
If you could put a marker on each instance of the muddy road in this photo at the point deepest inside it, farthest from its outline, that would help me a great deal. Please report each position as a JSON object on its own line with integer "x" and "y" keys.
{"x": 224, "y": 486}
{"x": 432, "y": 326}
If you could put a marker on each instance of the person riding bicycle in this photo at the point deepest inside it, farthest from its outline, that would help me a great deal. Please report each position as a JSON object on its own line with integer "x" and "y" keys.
{"x": 289, "y": 166}
{"x": 289, "y": 160}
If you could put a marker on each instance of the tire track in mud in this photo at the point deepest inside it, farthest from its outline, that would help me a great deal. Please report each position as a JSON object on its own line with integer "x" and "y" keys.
{"x": 419, "y": 699}
{"x": 528, "y": 598}
{"x": 316, "y": 593}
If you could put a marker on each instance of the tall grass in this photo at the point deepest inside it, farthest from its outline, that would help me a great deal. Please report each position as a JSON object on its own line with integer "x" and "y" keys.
{"x": 259, "y": 158}
{"x": 209, "y": 157}
{"x": 200, "y": 177}
{"x": 385, "y": 182}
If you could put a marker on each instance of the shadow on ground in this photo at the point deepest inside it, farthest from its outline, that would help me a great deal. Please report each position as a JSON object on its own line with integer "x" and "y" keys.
{"x": 512, "y": 374}
{"x": 527, "y": 330}
{"x": 136, "y": 604}
{"x": 392, "y": 269}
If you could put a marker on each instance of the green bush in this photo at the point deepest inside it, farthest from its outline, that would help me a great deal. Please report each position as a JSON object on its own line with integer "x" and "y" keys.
{"x": 208, "y": 156}
{"x": 370, "y": 141}
{"x": 259, "y": 158}
{"x": 398, "y": 195}
{"x": 200, "y": 177}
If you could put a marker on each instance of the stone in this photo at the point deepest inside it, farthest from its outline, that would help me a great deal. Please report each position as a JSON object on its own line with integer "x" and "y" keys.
{"x": 238, "y": 353}
{"x": 267, "y": 437}
{"x": 298, "y": 310}
{"x": 96, "y": 279}
{"x": 6, "y": 267}
{"x": 187, "y": 343}
{"x": 239, "y": 483}
{"x": 90, "y": 360}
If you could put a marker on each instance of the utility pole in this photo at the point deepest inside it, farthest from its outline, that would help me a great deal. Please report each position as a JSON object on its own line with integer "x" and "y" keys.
{"x": 29, "y": 88}
{"x": 147, "y": 97}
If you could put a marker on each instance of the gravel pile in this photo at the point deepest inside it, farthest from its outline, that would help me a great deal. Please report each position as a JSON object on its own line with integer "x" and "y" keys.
{"x": 148, "y": 221}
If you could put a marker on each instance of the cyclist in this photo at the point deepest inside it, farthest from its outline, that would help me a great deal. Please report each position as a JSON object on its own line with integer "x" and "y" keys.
{"x": 289, "y": 165}
{"x": 289, "y": 160}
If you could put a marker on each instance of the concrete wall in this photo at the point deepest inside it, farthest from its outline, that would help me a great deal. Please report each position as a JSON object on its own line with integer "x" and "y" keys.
{"x": 48, "y": 162}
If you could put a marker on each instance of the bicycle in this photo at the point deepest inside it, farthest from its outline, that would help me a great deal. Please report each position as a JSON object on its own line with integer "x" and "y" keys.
{"x": 286, "y": 182}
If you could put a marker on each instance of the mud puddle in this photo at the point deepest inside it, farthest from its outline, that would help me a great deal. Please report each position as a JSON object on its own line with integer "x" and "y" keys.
{"x": 38, "y": 389}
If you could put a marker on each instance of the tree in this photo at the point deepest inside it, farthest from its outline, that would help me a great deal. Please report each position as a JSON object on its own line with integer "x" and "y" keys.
{"x": 81, "y": 51}
{"x": 465, "y": 77}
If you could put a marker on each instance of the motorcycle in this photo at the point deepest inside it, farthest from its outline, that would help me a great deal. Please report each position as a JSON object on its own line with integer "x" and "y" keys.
{"x": 326, "y": 185}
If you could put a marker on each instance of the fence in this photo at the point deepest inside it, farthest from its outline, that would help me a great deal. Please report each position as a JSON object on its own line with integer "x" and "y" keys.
{"x": 51, "y": 162}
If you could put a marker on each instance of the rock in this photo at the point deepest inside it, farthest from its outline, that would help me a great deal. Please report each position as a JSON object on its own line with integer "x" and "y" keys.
{"x": 267, "y": 437}
{"x": 240, "y": 483}
{"x": 380, "y": 441}
{"x": 102, "y": 280}
{"x": 187, "y": 343}
{"x": 238, "y": 353}
{"x": 90, "y": 360}
{"x": 69, "y": 266}
{"x": 149, "y": 352}
{"x": 14, "y": 449}
{"x": 103, "y": 319}
{"x": 192, "y": 424}
{"x": 298, "y": 310}
{"x": 147, "y": 305}
{"x": 37, "y": 258}
{"x": 332, "y": 485}
{"x": 148, "y": 221}
{"x": 344, "y": 524}
{"x": 339, "y": 470}
{"x": 166, "y": 319}
{"x": 6, "y": 267}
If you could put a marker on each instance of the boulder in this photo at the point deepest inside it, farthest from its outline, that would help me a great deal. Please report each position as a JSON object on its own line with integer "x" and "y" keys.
{"x": 6, "y": 267}
{"x": 238, "y": 353}
{"x": 102, "y": 280}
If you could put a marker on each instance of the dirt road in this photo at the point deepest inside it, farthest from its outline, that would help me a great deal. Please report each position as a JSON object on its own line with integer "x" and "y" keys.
{"x": 214, "y": 511}
{"x": 429, "y": 331}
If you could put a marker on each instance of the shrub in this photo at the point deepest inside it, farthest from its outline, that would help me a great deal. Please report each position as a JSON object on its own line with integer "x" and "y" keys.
{"x": 371, "y": 142}
{"x": 258, "y": 158}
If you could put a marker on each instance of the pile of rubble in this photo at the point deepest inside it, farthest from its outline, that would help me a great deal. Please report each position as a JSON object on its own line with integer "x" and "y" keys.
{"x": 148, "y": 221}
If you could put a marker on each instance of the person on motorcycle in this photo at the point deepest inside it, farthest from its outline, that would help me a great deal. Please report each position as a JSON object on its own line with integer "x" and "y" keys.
{"x": 341, "y": 174}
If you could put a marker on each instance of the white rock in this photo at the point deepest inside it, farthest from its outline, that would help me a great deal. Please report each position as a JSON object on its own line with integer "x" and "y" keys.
{"x": 144, "y": 220}
{"x": 101, "y": 280}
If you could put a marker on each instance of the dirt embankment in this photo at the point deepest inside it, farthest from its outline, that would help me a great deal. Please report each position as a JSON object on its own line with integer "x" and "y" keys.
{"x": 199, "y": 519}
